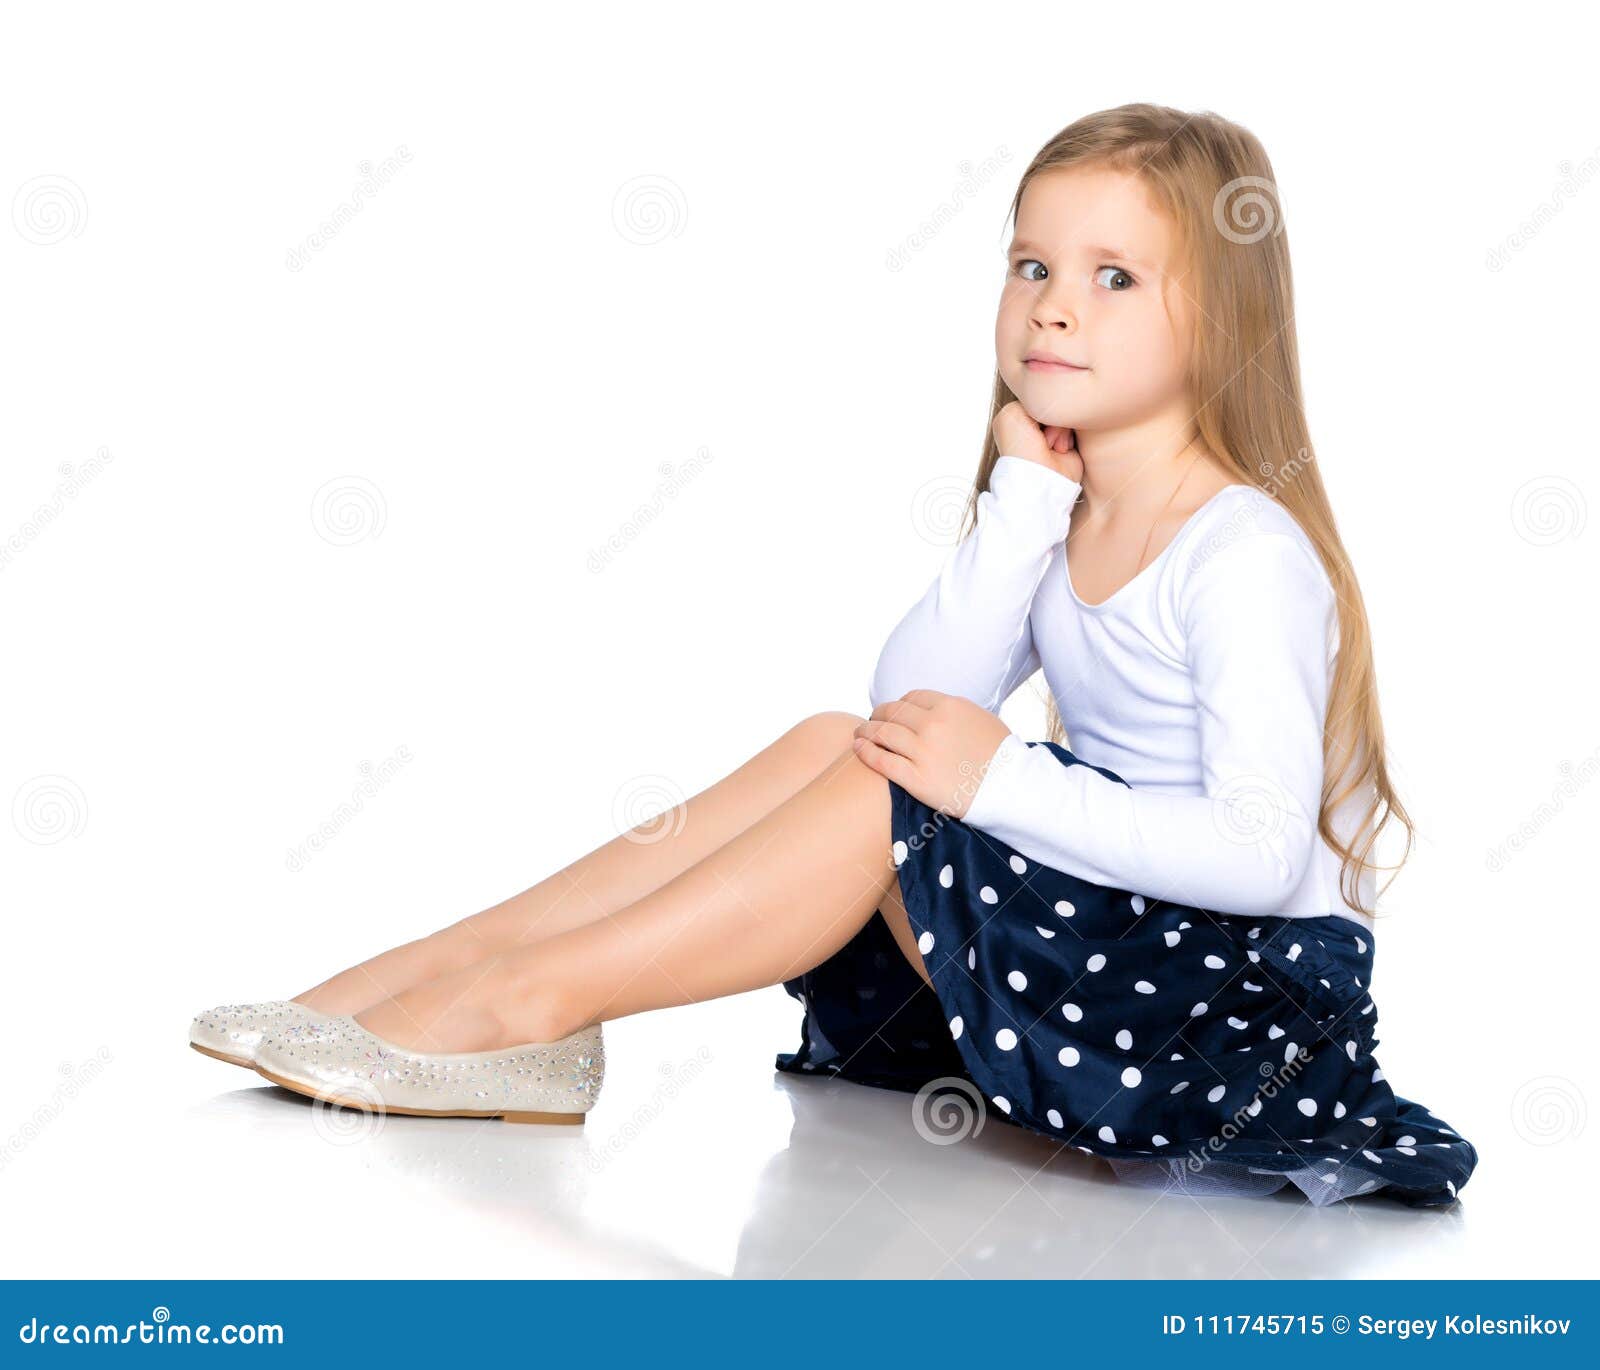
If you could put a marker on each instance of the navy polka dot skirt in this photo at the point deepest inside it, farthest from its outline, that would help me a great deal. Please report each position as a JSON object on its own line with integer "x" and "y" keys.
{"x": 1194, "y": 1051}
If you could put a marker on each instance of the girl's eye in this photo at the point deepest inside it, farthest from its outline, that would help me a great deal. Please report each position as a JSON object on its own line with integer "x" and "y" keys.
{"x": 1025, "y": 262}
{"x": 1116, "y": 271}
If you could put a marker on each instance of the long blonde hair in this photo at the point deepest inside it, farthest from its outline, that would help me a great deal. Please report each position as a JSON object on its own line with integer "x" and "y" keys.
{"x": 1214, "y": 180}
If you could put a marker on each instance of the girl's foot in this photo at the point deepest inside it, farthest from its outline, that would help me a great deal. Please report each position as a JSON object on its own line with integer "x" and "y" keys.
{"x": 484, "y": 1007}
{"x": 394, "y": 971}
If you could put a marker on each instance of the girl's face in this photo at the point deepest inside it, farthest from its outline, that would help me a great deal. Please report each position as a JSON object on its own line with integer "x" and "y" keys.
{"x": 1087, "y": 281}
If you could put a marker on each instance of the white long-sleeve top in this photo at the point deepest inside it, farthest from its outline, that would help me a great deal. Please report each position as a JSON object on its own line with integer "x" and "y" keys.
{"x": 1203, "y": 682}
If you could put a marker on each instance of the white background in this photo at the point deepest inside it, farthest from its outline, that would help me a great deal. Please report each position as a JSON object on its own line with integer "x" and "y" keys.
{"x": 627, "y": 240}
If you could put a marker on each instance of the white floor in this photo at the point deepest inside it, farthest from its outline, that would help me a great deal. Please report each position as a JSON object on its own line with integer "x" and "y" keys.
{"x": 699, "y": 1160}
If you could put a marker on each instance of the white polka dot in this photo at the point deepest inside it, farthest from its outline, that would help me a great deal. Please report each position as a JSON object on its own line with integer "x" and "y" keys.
{"x": 1172, "y": 938}
{"x": 1308, "y": 1107}
{"x": 1372, "y": 1156}
{"x": 1068, "y": 1056}
{"x": 1054, "y": 1117}
{"x": 972, "y": 958}
{"x": 1407, "y": 1140}
{"x": 1350, "y": 1050}
{"x": 1131, "y": 1078}
{"x": 1002, "y": 1103}
{"x": 1017, "y": 980}
{"x": 1198, "y": 1009}
{"x": 1215, "y": 962}
{"x": 1253, "y": 1107}
{"x": 947, "y": 876}
{"x": 1253, "y": 988}
{"x": 1274, "y": 1032}
{"x": 1237, "y": 1022}
{"x": 1072, "y": 1011}
{"x": 1360, "y": 945}
{"x": 1216, "y": 1092}
{"x": 1179, "y": 1087}
{"x": 1158, "y": 1140}
{"x": 1066, "y": 908}
{"x": 1338, "y": 1110}
{"x": 1095, "y": 962}
{"x": 1005, "y": 1039}
{"x": 1045, "y": 933}
{"x": 1293, "y": 952}
{"x": 1254, "y": 954}
{"x": 988, "y": 895}
{"x": 1368, "y": 1122}
{"x": 1408, "y": 1150}
{"x": 1107, "y": 1135}
{"x": 955, "y": 1026}
{"x": 925, "y": 943}
{"x": 1018, "y": 864}
{"x": 1144, "y": 987}
{"x": 1377, "y": 1075}
{"x": 1124, "y": 1039}
{"x": 900, "y": 852}
{"x": 1289, "y": 1051}
{"x": 1138, "y": 903}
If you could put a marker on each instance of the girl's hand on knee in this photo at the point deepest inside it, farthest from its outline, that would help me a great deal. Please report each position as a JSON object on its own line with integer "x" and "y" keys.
{"x": 933, "y": 745}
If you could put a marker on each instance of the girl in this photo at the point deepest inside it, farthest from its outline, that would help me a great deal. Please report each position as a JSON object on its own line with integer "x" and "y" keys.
{"x": 1156, "y": 949}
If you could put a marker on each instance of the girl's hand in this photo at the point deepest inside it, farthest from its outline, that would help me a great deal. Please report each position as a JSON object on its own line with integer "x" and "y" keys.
{"x": 1017, "y": 434}
{"x": 935, "y": 746}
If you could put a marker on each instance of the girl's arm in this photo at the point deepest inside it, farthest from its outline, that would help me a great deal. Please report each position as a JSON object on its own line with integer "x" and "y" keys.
{"x": 969, "y": 635}
{"x": 1260, "y": 624}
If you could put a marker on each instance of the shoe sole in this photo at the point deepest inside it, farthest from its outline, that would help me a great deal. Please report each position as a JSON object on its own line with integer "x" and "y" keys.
{"x": 366, "y": 1105}
{"x": 223, "y": 1056}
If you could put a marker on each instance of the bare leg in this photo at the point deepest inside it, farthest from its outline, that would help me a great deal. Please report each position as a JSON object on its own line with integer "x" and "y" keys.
{"x": 608, "y": 879}
{"x": 777, "y": 899}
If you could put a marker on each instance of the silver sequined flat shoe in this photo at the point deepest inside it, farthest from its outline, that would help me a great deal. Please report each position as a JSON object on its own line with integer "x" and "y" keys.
{"x": 232, "y": 1032}
{"x": 535, "y": 1082}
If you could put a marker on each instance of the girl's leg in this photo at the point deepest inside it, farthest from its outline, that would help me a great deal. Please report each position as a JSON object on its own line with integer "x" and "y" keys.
{"x": 608, "y": 879}
{"x": 780, "y": 897}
